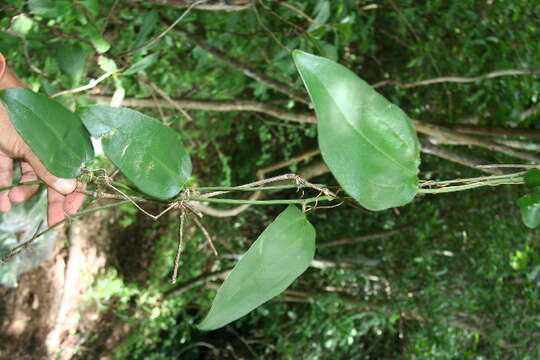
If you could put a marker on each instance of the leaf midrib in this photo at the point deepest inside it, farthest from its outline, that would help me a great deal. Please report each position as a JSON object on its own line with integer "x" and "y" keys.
{"x": 362, "y": 135}
{"x": 48, "y": 126}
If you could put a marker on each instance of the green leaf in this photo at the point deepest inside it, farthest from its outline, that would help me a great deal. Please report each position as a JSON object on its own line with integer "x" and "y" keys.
{"x": 141, "y": 64}
{"x": 530, "y": 209}
{"x": 147, "y": 152}
{"x": 54, "y": 134}
{"x": 147, "y": 27}
{"x": 368, "y": 143}
{"x": 22, "y": 24}
{"x": 92, "y": 6}
{"x": 322, "y": 14}
{"x": 281, "y": 254}
{"x": 532, "y": 178}
{"x": 71, "y": 60}
{"x": 106, "y": 64}
{"x": 49, "y": 8}
{"x": 100, "y": 44}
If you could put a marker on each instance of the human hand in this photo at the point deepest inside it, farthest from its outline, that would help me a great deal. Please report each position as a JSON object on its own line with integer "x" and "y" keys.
{"x": 61, "y": 195}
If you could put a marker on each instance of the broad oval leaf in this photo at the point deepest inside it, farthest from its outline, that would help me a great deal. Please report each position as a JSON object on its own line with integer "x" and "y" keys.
{"x": 147, "y": 152}
{"x": 369, "y": 144}
{"x": 55, "y": 134}
{"x": 281, "y": 254}
{"x": 530, "y": 209}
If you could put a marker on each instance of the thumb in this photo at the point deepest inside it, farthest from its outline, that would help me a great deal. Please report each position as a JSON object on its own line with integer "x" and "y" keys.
{"x": 61, "y": 185}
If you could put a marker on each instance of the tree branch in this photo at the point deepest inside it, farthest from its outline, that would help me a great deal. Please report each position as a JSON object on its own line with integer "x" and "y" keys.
{"x": 467, "y": 160}
{"x": 237, "y": 5}
{"x": 495, "y": 130}
{"x": 435, "y": 131}
{"x": 441, "y": 132}
{"x": 216, "y": 105}
{"x": 458, "y": 79}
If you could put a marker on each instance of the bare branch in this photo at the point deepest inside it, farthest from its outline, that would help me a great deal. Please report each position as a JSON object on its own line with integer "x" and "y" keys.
{"x": 217, "y": 105}
{"x": 92, "y": 84}
{"x": 237, "y": 5}
{"x": 297, "y": 10}
{"x": 496, "y": 130}
{"x": 438, "y": 132}
{"x": 458, "y": 79}
{"x": 529, "y": 112}
{"x": 441, "y": 132}
{"x": 464, "y": 159}
{"x": 164, "y": 95}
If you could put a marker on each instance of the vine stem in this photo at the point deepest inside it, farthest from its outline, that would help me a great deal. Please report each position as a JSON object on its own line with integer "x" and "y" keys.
{"x": 495, "y": 182}
{"x": 261, "y": 202}
{"x": 35, "y": 182}
{"x": 510, "y": 177}
{"x": 255, "y": 188}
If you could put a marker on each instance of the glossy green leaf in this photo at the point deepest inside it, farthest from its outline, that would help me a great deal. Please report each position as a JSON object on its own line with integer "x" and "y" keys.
{"x": 71, "y": 60}
{"x": 49, "y": 8}
{"x": 54, "y": 134}
{"x": 147, "y": 152}
{"x": 532, "y": 178}
{"x": 281, "y": 253}
{"x": 368, "y": 143}
{"x": 530, "y": 209}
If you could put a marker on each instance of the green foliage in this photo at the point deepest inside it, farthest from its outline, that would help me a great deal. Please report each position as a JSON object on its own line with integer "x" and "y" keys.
{"x": 54, "y": 134}
{"x": 150, "y": 154}
{"x": 530, "y": 209}
{"x": 532, "y": 178}
{"x": 49, "y": 8}
{"x": 369, "y": 144}
{"x": 279, "y": 255}
{"x": 530, "y": 204}
{"x": 71, "y": 61}
{"x": 142, "y": 64}
{"x": 467, "y": 259}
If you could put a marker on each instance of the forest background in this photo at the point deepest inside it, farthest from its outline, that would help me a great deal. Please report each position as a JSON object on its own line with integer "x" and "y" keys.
{"x": 451, "y": 276}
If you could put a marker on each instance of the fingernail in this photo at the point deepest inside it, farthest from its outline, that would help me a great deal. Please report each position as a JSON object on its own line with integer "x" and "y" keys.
{"x": 65, "y": 186}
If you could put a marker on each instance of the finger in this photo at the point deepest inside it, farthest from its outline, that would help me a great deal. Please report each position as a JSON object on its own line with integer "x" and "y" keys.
{"x": 63, "y": 186}
{"x": 73, "y": 202}
{"x": 55, "y": 209}
{"x": 6, "y": 177}
{"x": 2, "y": 65}
{"x": 25, "y": 192}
